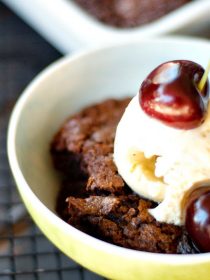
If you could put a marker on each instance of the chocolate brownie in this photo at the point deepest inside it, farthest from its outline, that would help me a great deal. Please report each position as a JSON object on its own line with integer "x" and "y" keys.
{"x": 129, "y": 13}
{"x": 94, "y": 198}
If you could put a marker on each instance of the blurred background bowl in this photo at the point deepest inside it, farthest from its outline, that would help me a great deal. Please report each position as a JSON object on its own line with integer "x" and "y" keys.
{"x": 68, "y": 27}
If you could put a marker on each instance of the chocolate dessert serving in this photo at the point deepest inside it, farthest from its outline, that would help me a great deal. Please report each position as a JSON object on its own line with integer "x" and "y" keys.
{"x": 94, "y": 196}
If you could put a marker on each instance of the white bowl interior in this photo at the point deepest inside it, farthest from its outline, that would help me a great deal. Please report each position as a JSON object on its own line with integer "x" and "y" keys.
{"x": 75, "y": 82}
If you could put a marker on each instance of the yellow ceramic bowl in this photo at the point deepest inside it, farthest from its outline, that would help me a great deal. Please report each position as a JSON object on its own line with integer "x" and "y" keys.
{"x": 61, "y": 90}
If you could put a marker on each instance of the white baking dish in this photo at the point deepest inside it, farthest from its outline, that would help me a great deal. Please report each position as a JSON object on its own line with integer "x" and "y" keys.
{"x": 68, "y": 27}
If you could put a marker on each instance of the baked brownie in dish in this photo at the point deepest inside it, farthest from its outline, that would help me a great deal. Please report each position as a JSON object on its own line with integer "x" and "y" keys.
{"x": 129, "y": 13}
{"x": 93, "y": 196}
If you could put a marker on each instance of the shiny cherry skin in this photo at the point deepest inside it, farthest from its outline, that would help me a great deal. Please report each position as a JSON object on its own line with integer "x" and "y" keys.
{"x": 170, "y": 94}
{"x": 197, "y": 218}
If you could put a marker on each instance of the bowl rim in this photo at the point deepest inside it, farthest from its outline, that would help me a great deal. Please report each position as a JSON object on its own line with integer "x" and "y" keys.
{"x": 172, "y": 259}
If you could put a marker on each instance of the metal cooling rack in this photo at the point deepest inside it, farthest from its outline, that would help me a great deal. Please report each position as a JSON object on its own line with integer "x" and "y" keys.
{"x": 25, "y": 254}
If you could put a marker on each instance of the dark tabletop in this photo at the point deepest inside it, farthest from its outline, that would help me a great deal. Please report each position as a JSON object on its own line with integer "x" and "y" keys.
{"x": 25, "y": 254}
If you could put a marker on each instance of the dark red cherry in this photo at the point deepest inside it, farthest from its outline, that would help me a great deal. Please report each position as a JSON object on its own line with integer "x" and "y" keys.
{"x": 197, "y": 219}
{"x": 170, "y": 94}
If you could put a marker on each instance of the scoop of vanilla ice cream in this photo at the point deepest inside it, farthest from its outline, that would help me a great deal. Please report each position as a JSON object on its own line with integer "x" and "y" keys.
{"x": 160, "y": 162}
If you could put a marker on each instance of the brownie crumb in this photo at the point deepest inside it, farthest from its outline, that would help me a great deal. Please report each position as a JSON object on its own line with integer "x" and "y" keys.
{"x": 94, "y": 198}
{"x": 84, "y": 146}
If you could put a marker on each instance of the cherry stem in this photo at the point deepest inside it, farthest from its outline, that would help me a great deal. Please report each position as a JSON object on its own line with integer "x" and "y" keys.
{"x": 204, "y": 78}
